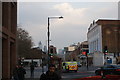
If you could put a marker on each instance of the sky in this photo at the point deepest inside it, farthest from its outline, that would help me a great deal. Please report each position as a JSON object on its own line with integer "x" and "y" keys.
{"x": 33, "y": 17}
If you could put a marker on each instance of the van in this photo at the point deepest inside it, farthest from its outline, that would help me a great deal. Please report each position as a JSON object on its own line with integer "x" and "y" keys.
{"x": 69, "y": 66}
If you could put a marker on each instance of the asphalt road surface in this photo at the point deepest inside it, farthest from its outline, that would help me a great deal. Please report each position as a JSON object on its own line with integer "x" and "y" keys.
{"x": 82, "y": 72}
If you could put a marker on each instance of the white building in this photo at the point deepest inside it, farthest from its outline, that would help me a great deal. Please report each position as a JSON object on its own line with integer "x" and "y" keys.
{"x": 94, "y": 37}
{"x": 100, "y": 35}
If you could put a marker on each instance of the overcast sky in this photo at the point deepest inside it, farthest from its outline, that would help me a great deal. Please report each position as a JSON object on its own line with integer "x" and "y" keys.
{"x": 32, "y": 16}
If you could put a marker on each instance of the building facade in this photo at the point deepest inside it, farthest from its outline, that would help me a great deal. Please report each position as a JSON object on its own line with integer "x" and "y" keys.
{"x": 101, "y": 34}
{"x": 84, "y": 47}
{"x": 9, "y": 26}
{"x": 0, "y": 40}
{"x": 104, "y": 33}
{"x": 119, "y": 10}
{"x": 94, "y": 37}
{"x": 68, "y": 52}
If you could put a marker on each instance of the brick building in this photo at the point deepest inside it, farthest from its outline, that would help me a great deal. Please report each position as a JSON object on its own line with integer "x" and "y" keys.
{"x": 104, "y": 33}
{"x": 111, "y": 35}
{"x": 119, "y": 10}
{"x": 9, "y": 26}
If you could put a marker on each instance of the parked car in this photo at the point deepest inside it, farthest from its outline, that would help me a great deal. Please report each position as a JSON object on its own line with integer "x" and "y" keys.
{"x": 108, "y": 69}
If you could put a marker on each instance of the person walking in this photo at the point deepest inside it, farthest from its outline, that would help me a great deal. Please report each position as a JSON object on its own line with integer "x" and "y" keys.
{"x": 32, "y": 70}
{"x": 50, "y": 74}
{"x": 21, "y": 73}
{"x": 15, "y": 73}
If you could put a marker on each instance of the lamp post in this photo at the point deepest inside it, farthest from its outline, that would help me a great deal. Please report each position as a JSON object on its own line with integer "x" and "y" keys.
{"x": 49, "y": 32}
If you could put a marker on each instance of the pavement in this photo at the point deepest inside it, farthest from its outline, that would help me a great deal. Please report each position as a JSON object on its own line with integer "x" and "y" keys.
{"x": 38, "y": 71}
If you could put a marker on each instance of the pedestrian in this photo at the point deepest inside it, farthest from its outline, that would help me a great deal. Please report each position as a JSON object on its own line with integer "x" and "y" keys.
{"x": 32, "y": 69}
{"x": 50, "y": 74}
{"x": 21, "y": 73}
{"x": 15, "y": 73}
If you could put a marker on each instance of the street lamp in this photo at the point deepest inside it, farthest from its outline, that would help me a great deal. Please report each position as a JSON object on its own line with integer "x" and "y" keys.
{"x": 49, "y": 31}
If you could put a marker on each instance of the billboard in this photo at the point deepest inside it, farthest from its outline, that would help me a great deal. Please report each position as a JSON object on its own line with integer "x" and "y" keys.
{"x": 71, "y": 48}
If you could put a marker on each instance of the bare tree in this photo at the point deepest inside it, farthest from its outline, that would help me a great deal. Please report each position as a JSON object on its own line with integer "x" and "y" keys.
{"x": 24, "y": 43}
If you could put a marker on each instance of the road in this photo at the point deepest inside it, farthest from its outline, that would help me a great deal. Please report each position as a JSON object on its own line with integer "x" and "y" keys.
{"x": 73, "y": 75}
{"x": 82, "y": 72}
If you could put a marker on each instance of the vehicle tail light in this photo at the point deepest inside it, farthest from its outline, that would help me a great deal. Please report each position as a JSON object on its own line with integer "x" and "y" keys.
{"x": 117, "y": 69}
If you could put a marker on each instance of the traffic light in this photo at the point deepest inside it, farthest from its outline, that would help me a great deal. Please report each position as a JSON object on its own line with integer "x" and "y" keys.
{"x": 51, "y": 50}
{"x": 85, "y": 52}
{"x": 105, "y": 50}
{"x": 51, "y": 53}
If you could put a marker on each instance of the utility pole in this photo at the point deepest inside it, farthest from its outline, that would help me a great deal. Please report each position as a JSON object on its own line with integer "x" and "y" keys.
{"x": 49, "y": 33}
{"x": 87, "y": 61}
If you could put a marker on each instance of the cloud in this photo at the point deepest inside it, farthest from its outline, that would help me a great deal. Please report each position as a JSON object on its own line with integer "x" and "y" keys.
{"x": 72, "y": 15}
{"x": 86, "y": 14}
{"x": 74, "y": 26}
{"x": 71, "y": 29}
{"x": 66, "y": 0}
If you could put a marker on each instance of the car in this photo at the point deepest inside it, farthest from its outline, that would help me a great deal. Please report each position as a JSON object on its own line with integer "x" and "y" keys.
{"x": 108, "y": 69}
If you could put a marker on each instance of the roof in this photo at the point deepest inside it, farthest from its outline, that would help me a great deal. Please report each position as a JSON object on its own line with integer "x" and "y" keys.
{"x": 107, "y": 21}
